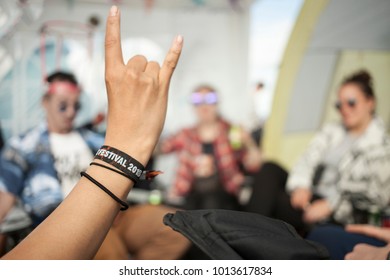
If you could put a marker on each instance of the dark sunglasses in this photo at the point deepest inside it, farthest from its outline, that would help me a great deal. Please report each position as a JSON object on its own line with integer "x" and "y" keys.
{"x": 350, "y": 102}
{"x": 204, "y": 98}
{"x": 64, "y": 106}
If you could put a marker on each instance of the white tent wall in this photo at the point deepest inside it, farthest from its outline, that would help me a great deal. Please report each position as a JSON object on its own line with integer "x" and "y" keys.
{"x": 215, "y": 52}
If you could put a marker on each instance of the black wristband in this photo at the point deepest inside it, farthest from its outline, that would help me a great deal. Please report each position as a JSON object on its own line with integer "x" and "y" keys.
{"x": 114, "y": 170}
{"x": 124, "y": 205}
{"x": 121, "y": 161}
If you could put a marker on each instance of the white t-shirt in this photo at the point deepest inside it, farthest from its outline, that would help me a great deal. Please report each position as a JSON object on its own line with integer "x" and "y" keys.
{"x": 262, "y": 100}
{"x": 71, "y": 156}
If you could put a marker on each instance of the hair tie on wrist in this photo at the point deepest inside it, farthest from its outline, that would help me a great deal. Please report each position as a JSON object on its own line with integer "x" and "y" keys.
{"x": 122, "y": 161}
{"x": 124, "y": 205}
{"x": 114, "y": 170}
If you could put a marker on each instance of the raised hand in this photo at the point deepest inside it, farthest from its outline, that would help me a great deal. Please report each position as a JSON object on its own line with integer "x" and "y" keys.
{"x": 137, "y": 94}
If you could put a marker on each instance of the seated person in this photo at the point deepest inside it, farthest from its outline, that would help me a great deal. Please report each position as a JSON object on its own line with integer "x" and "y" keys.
{"x": 345, "y": 163}
{"x": 211, "y": 154}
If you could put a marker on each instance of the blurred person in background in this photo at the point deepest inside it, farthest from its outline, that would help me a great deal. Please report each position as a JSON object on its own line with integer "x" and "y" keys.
{"x": 344, "y": 170}
{"x": 262, "y": 101}
{"x": 213, "y": 156}
{"x": 42, "y": 165}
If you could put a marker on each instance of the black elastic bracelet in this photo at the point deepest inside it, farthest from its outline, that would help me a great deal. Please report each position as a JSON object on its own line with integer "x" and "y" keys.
{"x": 121, "y": 161}
{"x": 124, "y": 205}
{"x": 114, "y": 170}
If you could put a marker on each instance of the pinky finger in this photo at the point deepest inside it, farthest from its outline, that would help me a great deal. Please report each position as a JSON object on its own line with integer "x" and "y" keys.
{"x": 171, "y": 61}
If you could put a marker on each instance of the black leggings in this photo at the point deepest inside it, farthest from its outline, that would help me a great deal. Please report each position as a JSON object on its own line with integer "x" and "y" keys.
{"x": 269, "y": 196}
{"x": 215, "y": 199}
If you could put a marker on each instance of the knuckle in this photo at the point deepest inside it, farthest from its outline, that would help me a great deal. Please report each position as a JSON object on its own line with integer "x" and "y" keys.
{"x": 111, "y": 20}
{"x": 132, "y": 74}
{"x": 149, "y": 82}
{"x": 109, "y": 76}
{"x": 176, "y": 51}
{"x": 110, "y": 42}
{"x": 170, "y": 64}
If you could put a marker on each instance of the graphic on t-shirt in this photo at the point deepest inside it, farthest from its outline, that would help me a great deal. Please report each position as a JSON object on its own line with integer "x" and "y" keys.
{"x": 71, "y": 156}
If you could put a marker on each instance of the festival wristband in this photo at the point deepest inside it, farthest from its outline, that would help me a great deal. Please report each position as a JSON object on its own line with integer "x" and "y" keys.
{"x": 121, "y": 161}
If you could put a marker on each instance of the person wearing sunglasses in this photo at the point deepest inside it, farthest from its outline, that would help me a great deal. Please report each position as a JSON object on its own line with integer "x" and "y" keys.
{"x": 345, "y": 166}
{"x": 42, "y": 166}
{"x": 211, "y": 154}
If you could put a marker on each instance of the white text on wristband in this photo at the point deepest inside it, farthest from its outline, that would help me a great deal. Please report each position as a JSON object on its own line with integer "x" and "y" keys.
{"x": 120, "y": 160}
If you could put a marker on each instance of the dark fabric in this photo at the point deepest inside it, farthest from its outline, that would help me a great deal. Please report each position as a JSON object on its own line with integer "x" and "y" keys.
{"x": 269, "y": 197}
{"x": 212, "y": 199}
{"x": 268, "y": 184}
{"x": 1, "y": 138}
{"x": 208, "y": 148}
{"x": 338, "y": 241}
{"x": 235, "y": 235}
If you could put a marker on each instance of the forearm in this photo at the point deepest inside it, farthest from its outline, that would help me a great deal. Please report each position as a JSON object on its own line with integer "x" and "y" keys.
{"x": 73, "y": 222}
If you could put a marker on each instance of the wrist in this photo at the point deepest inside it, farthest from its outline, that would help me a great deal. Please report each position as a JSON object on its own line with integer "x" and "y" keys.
{"x": 117, "y": 184}
{"x": 129, "y": 166}
{"x": 138, "y": 150}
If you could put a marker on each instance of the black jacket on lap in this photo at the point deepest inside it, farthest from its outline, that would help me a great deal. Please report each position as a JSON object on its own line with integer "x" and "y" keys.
{"x": 235, "y": 235}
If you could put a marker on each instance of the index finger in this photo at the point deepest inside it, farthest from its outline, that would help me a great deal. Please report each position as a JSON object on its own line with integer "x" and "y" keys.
{"x": 113, "y": 49}
{"x": 171, "y": 61}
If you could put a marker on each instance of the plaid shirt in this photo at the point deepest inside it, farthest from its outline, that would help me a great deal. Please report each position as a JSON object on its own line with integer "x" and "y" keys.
{"x": 188, "y": 146}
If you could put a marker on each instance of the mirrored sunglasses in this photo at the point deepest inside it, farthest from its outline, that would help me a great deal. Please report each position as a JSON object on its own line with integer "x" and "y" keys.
{"x": 64, "y": 106}
{"x": 351, "y": 103}
{"x": 204, "y": 98}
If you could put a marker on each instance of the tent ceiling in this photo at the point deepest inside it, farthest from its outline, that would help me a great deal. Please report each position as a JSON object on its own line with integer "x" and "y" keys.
{"x": 359, "y": 25}
{"x": 181, "y": 4}
{"x": 353, "y": 24}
